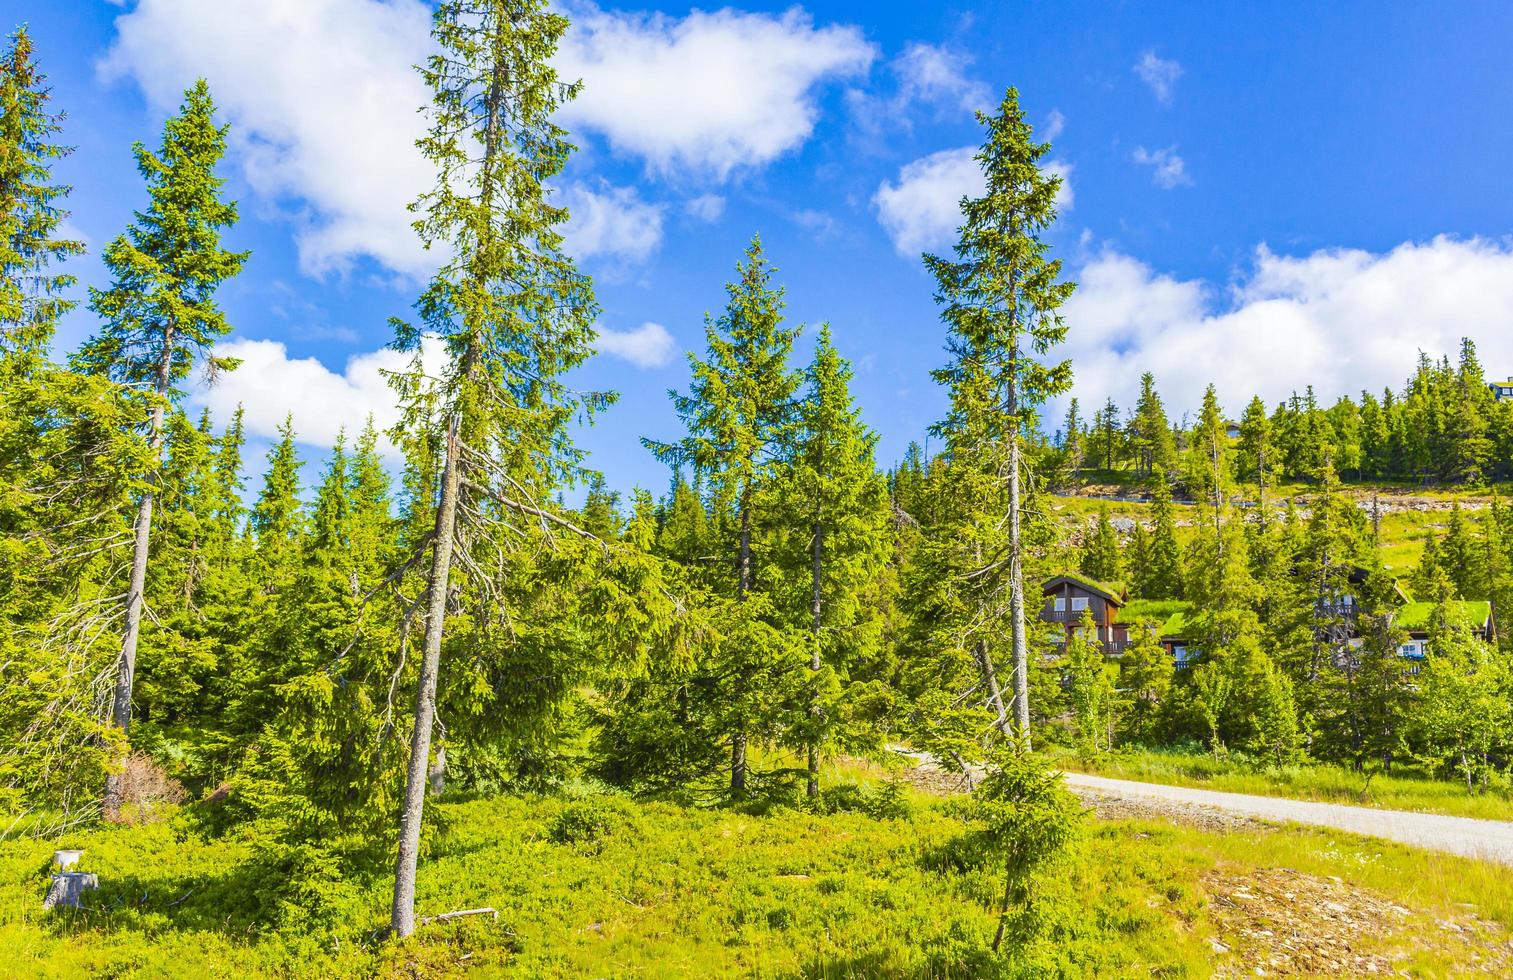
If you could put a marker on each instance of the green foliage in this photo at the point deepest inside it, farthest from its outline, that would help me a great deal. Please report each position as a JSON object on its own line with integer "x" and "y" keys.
{"x": 1102, "y": 551}
{"x": 31, "y": 207}
{"x": 159, "y": 314}
{"x": 1092, "y": 686}
{"x": 1000, "y": 296}
{"x": 586, "y": 822}
{"x": 1463, "y": 716}
{"x": 1150, "y": 434}
{"x": 1032, "y": 822}
{"x": 1156, "y": 559}
{"x": 692, "y": 892}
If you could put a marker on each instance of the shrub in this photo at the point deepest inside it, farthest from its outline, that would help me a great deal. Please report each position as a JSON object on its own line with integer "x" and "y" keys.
{"x": 886, "y": 802}
{"x": 586, "y": 822}
{"x": 147, "y": 791}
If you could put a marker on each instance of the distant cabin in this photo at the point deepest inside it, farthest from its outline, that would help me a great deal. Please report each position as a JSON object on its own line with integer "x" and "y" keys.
{"x": 1502, "y": 389}
{"x": 1232, "y": 429}
{"x": 1067, "y": 598}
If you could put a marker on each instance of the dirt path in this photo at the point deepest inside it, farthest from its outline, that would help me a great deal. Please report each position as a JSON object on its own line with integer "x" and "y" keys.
{"x": 1283, "y": 922}
{"x": 1490, "y": 840}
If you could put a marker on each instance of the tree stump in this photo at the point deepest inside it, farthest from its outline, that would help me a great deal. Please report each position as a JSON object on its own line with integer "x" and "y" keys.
{"x": 67, "y": 888}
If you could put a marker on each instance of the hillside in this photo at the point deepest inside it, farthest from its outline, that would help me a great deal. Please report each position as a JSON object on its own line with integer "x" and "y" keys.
{"x": 1408, "y": 516}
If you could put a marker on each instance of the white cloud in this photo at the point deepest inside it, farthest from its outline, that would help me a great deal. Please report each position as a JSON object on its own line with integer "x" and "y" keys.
{"x": 1065, "y": 198}
{"x": 922, "y": 210}
{"x": 1342, "y": 320}
{"x": 705, "y": 207}
{"x": 1055, "y": 123}
{"x": 1168, "y": 169}
{"x": 710, "y": 92}
{"x": 612, "y": 222}
{"x": 927, "y": 76}
{"x": 323, "y": 104}
{"x": 270, "y": 385}
{"x": 937, "y": 76}
{"x": 1161, "y": 75}
{"x": 647, "y": 346}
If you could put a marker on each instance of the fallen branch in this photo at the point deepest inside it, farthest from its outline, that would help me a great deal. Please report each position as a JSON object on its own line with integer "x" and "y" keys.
{"x": 449, "y": 916}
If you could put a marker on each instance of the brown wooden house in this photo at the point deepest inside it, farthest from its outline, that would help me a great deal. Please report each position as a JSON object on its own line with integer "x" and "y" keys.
{"x": 1068, "y": 597}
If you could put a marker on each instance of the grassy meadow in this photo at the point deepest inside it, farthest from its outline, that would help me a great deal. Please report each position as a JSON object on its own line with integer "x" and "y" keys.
{"x": 883, "y": 881}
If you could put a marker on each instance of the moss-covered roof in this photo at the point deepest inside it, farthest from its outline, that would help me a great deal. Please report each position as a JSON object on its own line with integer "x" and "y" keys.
{"x": 1416, "y": 615}
{"x": 1177, "y": 624}
{"x": 1169, "y": 615}
{"x": 1155, "y": 610}
{"x": 1115, "y": 589}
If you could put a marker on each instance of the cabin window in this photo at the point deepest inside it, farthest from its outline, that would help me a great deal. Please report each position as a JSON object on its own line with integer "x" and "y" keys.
{"x": 1079, "y": 603}
{"x": 1413, "y": 649}
{"x": 1179, "y": 653}
{"x": 1059, "y": 604}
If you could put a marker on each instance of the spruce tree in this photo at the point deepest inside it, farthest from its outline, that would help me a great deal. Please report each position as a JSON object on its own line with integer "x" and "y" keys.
{"x": 160, "y": 320}
{"x": 1156, "y": 568}
{"x": 1091, "y": 687}
{"x": 1150, "y": 432}
{"x": 1146, "y": 671}
{"x": 1102, "y": 556}
{"x": 31, "y": 209}
{"x": 1104, "y": 439}
{"x": 1073, "y": 448}
{"x": 1472, "y": 403}
{"x": 1374, "y": 437}
{"x": 487, "y": 442}
{"x": 1253, "y": 450}
{"x": 844, "y": 507}
{"x": 1208, "y": 462}
{"x": 277, "y": 519}
{"x": 1001, "y": 297}
{"x": 740, "y": 413}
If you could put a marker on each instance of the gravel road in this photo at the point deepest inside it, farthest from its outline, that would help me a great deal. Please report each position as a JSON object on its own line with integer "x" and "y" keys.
{"x": 1490, "y": 840}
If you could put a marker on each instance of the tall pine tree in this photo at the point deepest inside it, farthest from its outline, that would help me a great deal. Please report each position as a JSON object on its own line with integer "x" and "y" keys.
{"x": 160, "y": 320}
{"x": 1000, "y": 296}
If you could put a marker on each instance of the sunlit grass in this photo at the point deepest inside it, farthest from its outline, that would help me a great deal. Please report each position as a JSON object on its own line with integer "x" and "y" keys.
{"x": 658, "y": 889}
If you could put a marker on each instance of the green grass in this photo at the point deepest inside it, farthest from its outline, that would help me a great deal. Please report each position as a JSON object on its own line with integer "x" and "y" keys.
{"x": 605, "y": 887}
{"x": 1313, "y": 781}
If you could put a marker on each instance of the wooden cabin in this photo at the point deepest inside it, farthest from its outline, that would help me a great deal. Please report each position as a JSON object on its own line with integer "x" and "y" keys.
{"x": 1068, "y": 597}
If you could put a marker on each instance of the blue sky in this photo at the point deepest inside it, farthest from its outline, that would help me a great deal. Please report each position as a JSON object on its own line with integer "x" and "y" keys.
{"x": 1267, "y": 197}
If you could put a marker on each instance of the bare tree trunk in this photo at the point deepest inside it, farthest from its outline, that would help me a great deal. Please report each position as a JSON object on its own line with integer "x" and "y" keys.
{"x": 1009, "y": 889}
{"x": 437, "y": 776}
{"x": 743, "y": 586}
{"x": 1016, "y": 584}
{"x": 136, "y": 592}
{"x": 1218, "y": 498}
{"x": 990, "y": 683}
{"x": 1261, "y": 484}
{"x": 402, "y": 913}
{"x": 816, "y": 609}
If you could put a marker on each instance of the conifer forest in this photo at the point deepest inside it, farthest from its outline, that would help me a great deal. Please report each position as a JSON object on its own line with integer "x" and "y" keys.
{"x": 447, "y": 699}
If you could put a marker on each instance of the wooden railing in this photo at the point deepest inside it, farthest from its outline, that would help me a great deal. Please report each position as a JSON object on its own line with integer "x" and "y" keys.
{"x": 1066, "y": 616}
